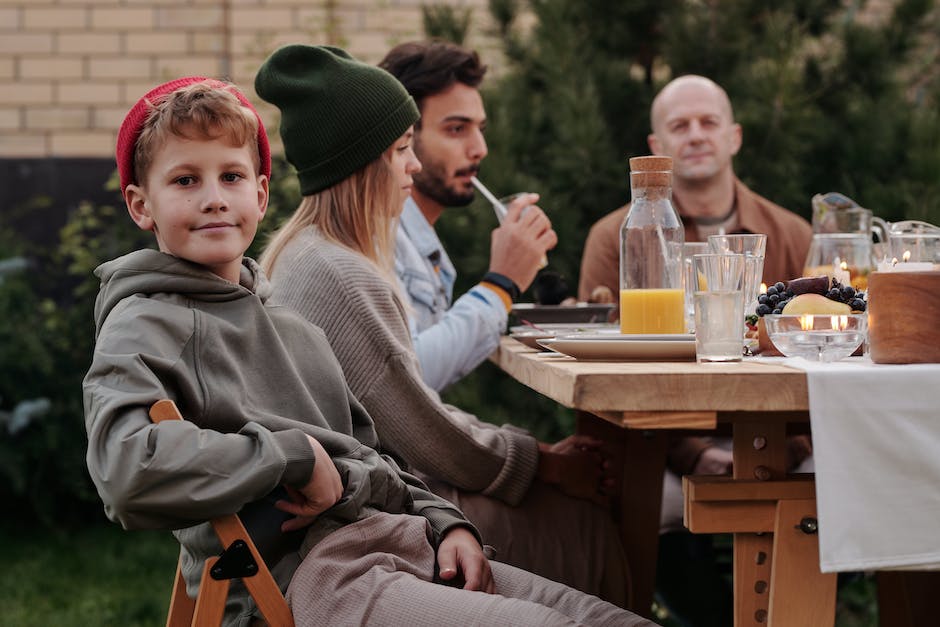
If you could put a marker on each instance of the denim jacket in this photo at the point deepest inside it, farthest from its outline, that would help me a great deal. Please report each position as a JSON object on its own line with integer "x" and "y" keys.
{"x": 451, "y": 337}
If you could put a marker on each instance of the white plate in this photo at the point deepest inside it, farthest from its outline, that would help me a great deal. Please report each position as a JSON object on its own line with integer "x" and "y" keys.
{"x": 604, "y": 335}
{"x": 610, "y": 347}
{"x": 531, "y": 338}
{"x": 530, "y": 335}
{"x": 565, "y": 328}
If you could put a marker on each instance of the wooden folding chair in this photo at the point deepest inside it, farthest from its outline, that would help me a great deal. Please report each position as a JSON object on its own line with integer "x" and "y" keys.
{"x": 240, "y": 559}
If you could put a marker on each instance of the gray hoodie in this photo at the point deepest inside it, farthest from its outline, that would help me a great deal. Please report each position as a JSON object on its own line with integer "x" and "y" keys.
{"x": 251, "y": 380}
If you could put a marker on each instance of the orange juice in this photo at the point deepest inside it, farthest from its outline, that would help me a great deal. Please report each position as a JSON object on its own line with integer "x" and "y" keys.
{"x": 652, "y": 311}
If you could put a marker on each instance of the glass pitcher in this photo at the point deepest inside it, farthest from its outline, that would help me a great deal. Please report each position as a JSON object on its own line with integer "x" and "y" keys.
{"x": 842, "y": 245}
{"x": 836, "y": 213}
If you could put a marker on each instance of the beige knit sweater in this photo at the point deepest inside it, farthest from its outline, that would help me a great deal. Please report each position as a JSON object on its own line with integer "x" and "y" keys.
{"x": 342, "y": 292}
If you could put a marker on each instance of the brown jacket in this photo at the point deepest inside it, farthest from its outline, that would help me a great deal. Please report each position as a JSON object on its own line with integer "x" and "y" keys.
{"x": 788, "y": 239}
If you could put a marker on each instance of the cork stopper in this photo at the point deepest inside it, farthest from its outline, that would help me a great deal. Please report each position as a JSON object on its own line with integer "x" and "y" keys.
{"x": 650, "y": 164}
{"x": 651, "y": 179}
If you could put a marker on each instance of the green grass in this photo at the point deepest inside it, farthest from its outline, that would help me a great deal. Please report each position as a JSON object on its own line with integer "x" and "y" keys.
{"x": 100, "y": 575}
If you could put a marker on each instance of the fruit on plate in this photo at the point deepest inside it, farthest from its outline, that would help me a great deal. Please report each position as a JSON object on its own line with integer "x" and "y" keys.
{"x": 775, "y": 300}
{"x": 817, "y": 295}
{"x": 815, "y": 304}
{"x": 809, "y": 285}
{"x": 848, "y": 295}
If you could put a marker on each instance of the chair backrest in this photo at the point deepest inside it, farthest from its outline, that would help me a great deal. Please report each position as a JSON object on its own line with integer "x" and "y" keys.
{"x": 239, "y": 559}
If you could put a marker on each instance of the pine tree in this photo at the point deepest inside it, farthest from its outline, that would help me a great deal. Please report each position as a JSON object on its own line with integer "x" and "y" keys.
{"x": 829, "y": 101}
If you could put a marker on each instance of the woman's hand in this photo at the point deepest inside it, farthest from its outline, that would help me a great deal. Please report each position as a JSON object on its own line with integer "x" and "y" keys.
{"x": 460, "y": 553}
{"x": 713, "y": 461}
{"x": 579, "y": 467}
{"x": 323, "y": 490}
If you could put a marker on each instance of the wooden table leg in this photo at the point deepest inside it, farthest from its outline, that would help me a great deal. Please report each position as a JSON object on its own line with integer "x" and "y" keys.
{"x": 641, "y": 499}
{"x": 752, "y": 561}
{"x": 759, "y": 453}
{"x": 777, "y": 580}
{"x": 644, "y": 461}
{"x": 799, "y": 593}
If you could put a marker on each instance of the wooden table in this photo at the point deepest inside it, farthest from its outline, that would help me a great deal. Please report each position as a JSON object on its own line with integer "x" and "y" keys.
{"x": 776, "y": 555}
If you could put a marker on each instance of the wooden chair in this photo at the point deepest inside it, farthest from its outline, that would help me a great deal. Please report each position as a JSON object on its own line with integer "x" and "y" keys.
{"x": 240, "y": 559}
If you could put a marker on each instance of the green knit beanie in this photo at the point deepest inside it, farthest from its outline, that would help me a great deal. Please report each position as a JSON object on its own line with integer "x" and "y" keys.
{"x": 337, "y": 114}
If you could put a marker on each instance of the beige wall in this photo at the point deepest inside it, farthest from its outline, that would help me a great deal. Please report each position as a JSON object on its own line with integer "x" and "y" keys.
{"x": 70, "y": 69}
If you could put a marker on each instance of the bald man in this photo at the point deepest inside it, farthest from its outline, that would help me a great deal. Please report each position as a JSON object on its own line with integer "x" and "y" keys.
{"x": 693, "y": 122}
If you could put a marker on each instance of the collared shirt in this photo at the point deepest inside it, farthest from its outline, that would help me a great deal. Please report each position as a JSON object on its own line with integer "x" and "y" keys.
{"x": 788, "y": 240}
{"x": 451, "y": 338}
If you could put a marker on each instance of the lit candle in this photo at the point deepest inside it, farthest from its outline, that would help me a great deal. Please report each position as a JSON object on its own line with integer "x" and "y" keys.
{"x": 839, "y": 323}
{"x": 840, "y": 271}
{"x": 907, "y": 265}
{"x": 887, "y": 266}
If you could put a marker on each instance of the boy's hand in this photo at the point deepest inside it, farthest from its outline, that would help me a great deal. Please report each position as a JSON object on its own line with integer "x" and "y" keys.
{"x": 518, "y": 245}
{"x": 322, "y": 491}
{"x": 460, "y": 553}
{"x": 578, "y": 466}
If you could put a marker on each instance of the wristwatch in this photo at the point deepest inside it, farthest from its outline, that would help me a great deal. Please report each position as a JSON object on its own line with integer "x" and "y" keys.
{"x": 504, "y": 282}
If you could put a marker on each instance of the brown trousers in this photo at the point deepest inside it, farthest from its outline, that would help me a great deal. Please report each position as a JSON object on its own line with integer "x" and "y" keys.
{"x": 378, "y": 572}
{"x": 568, "y": 540}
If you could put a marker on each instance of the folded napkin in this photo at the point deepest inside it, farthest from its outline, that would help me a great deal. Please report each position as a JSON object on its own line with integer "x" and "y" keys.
{"x": 876, "y": 444}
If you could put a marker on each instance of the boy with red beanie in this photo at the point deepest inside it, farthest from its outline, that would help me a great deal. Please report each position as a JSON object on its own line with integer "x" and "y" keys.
{"x": 266, "y": 405}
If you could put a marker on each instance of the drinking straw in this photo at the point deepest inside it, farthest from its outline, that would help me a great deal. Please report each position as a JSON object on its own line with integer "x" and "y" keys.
{"x": 498, "y": 207}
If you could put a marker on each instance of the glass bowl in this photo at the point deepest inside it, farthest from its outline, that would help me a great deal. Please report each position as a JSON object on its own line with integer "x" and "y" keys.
{"x": 817, "y": 337}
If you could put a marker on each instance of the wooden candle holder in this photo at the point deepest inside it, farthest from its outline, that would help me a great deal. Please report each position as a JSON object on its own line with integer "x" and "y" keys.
{"x": 904, "y": 317}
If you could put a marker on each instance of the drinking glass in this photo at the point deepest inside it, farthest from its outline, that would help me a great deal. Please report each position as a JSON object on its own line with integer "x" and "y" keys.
{"x": 505, "y": 201}
{"x": 501, "y": 207}
{"x": 690, "y": 279}
{"x": 752, "y": 246}
{"x": 719, "y": 306}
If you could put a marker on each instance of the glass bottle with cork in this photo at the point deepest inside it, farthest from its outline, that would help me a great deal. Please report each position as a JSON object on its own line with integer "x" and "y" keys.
{"x": 651, "y": 238}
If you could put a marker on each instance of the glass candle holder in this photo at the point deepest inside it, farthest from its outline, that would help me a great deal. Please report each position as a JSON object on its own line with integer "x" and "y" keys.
{"x": 817, "y": 337}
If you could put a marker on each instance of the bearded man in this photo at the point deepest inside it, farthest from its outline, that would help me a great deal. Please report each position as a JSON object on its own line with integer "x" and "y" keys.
{"x": 451, "y": 337}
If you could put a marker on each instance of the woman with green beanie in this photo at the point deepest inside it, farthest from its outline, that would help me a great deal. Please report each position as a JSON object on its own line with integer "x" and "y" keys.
{"x": 346, "y": 128}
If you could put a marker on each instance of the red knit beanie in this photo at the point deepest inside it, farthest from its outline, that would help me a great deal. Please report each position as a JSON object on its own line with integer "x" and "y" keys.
{"x": 134, "y": 120}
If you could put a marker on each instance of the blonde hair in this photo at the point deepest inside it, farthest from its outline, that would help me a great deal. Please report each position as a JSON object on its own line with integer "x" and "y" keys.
{"x": 197, "y": 111}
{"x": 355, "y": 213}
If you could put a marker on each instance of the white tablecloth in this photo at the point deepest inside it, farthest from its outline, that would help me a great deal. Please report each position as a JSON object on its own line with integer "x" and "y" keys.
{"x": 876, "y": 444}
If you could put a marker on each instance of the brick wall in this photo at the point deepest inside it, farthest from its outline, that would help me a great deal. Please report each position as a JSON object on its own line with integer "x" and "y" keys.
{"x": 70, "y": 69}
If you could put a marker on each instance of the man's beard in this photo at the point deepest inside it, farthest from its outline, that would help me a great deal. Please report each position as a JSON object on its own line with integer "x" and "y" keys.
{"x": 431, "y": 182}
